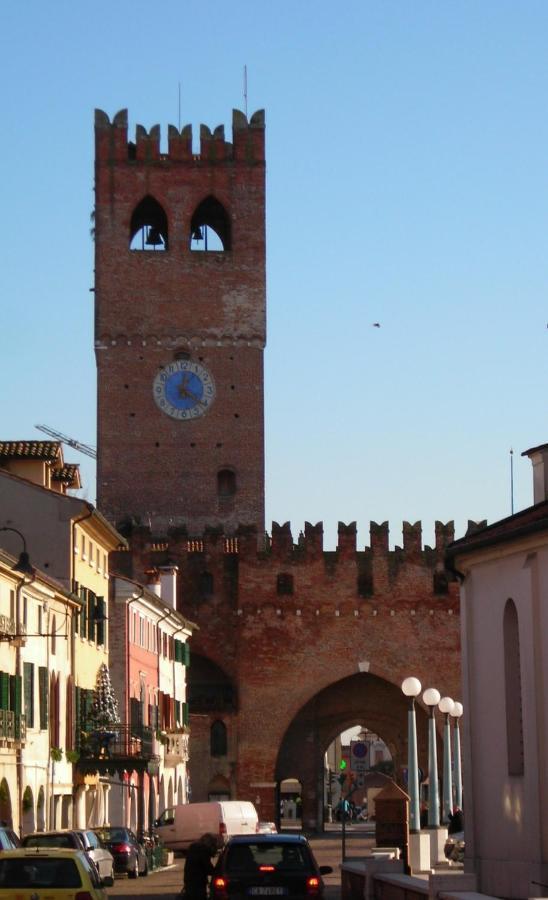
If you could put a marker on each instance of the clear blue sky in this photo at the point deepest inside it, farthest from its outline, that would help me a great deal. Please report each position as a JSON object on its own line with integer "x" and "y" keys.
{"x": 407, "y": 173}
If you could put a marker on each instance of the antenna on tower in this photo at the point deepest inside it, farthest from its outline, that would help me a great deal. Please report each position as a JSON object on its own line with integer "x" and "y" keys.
{"x": 245, "y": 91}
{"x": 511, "y": 481}
{"x": 179, "y": 109}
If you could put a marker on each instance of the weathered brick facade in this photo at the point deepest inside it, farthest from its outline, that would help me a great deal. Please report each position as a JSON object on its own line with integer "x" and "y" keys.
{"x": 151, "y": 307}
{"x": 295, "y": 644}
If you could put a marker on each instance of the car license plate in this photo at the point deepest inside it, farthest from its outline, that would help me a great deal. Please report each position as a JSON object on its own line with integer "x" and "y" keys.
{"x": 267, "y": 891}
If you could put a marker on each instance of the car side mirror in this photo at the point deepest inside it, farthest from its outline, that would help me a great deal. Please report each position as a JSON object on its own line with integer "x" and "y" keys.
{"x": 326, "y": 870}
{"x": 107, "y": 881}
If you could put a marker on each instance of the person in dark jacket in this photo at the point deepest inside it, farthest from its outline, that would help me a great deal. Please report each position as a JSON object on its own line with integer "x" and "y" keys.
{"x": 198, "y": 867}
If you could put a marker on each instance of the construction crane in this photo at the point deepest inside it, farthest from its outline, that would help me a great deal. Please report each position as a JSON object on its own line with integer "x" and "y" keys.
{"x": 70, "y": 442}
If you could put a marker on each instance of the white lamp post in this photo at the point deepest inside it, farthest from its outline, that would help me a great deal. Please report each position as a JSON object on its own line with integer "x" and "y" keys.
{"x": 446, "y": 707}
{"x": 457, "y": 712}
{"x": 411, "y": 687}
{"x": 431, "y": 698}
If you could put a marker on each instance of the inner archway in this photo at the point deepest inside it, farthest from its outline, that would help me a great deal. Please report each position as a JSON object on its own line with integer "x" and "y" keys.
{"x": 359, "y": 698}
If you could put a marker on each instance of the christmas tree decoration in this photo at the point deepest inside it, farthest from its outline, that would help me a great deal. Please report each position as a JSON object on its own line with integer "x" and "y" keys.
{"x": 104, "y": 709}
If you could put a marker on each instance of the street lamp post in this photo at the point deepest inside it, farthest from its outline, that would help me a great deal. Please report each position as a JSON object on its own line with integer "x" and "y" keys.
{"x": 456, "y": 713}
{"x": 446, "y": 707}
{"x": 431, "y": 698}
{"x": 411, "y": 687}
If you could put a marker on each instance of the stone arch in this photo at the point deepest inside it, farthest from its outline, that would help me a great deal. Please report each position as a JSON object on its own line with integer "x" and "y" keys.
{"x": 362, "y": 697}
{"x": 170, "y": 792}
{"x": 6, "y": 814}
{"x": 180, "y": 791}
{"x": 41, "y": 810}
{"x": 219, "y": 788}
{"x": 28, "y": 822}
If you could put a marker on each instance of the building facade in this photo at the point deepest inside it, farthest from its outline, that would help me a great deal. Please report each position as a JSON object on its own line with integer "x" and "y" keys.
{"x": 504, "y": 598}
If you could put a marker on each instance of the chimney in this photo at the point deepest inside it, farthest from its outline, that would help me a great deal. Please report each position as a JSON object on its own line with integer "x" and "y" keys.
{"x": 539, "y": 458}
{"x": 153, "y": 581}
{"x": 168, "y": 582}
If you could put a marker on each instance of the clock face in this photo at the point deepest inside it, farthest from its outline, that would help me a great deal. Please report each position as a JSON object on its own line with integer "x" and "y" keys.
{"x": 184, "y": 389}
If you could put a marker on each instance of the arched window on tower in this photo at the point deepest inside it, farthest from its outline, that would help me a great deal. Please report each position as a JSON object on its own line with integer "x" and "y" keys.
{"x": 148, "y": 229}
{"x": 218, "y": 739}
{"x": 226, "y": 483}
{"x": 512, "y": 683}
{"x": 210, "y": 227}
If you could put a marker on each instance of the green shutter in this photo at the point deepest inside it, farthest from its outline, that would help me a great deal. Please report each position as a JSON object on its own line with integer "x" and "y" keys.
{"x": 84, "y": 612}
{"x": 28, "y": 680}
{"x": 15, "y": 694}
{"x": 186, "y": 714}
{"x": 43, "y": 695}
{"x": 91, "y": 616}
{"x": 186, "y": 654}
{"x": 100, "y": 613}
{"x": 4, "y": 690}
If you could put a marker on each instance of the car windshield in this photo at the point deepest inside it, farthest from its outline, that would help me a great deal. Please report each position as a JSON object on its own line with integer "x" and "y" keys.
{"x": 113, "y": 834}
{"x": 50, "y": 840}
{"x": 39, "y": 872}
{"x": 282, "y": 856}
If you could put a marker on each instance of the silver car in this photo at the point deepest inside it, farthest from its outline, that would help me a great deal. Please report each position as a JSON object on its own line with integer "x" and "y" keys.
{"x": 97, "y": 852}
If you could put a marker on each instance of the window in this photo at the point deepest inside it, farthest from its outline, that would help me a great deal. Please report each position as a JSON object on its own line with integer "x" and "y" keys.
{"x": 512, "y": 679}
{"x": 28, "y": 687}
{"x": 53, "y": 635}
{"x": 284, "y": 583}
{"x": 226, "y": 483}
{"x": 43, "y": 696}
{"x": 91, "y": 553}
{"x": 83, "y": 546}
{"x": 206, "y": 584}
{"x": 218, "y": 739}
{"x": 210, "y": 227}
{"x": 148, "y": 229}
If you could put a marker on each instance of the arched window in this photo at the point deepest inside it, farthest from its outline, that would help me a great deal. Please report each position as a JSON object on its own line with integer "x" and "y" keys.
{"x": 148, "y": 229}
{"x": 284, "y": 583}
{"x": 218, "y": 740}
{"x": 210, "y": 226}
{"x": 512, "y": 682}
{"x": 226, "y": 483}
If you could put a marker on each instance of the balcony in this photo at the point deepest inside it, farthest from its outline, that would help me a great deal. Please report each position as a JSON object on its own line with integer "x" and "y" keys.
{"x": 119, "y": 748}
{"x": 12, "y": 631}
{"x": 13, "y": 728}
{"x": 175, "y": 742}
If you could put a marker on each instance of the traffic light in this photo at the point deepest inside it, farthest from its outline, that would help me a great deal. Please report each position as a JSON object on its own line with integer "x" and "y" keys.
{"x": 342, "y": 772}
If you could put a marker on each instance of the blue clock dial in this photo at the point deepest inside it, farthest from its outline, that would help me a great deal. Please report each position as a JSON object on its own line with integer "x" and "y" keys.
{"x": 184, "y": 389}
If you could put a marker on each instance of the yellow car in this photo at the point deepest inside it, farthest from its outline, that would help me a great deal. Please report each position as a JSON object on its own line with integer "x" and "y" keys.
{"x": 50, "y": 873}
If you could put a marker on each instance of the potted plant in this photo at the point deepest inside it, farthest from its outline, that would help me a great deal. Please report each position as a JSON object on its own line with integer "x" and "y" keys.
{"x": 56, "y": 754}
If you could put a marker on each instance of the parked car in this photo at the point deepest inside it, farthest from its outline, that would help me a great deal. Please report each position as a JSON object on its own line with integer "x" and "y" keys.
{"x": 70, "y": 840}
{"x": 266, "y": 828}
{"x": 97, "y": 852}
{"x": 128, "y": 853}
{"x": 8, "y": 839}
{"x": 267, "y": 864}
{"x": 51, "y": 872}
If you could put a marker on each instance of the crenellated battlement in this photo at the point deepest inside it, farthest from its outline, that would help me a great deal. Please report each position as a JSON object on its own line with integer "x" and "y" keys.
{"x": 112, "y": 144}
{"x": 240, "y": 567}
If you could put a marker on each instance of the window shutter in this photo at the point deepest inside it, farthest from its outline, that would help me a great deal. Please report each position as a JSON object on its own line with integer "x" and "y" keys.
{"x": 43, "y": 696}
{"x": 186, "y": 714}
{"x": 28, "y": 677}
{"x": 15, "y": 694}
{"x": 100, "y": 613}
{"x": 186, "y": 654}
{"x": 84, "y": 612}
{"x": 4, "y": 690}
{"x": 91, "y": 616}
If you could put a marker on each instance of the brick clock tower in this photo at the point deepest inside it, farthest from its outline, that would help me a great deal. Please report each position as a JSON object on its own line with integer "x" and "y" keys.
{"x": 180, "y": 312}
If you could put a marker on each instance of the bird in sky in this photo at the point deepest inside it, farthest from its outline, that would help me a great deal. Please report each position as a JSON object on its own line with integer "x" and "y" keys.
{"x": 376, "y": 324}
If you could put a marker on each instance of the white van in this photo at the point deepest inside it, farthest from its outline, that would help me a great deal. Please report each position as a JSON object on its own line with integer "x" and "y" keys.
{"x": 180, "y": 825}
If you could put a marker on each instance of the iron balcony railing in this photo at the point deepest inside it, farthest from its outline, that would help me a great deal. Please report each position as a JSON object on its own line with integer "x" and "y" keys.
{"x": 116, "y": 742}
{"x": 13, "y": 727}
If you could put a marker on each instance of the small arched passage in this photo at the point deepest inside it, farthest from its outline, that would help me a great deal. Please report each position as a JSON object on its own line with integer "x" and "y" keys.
{"x": 362, "y": 697}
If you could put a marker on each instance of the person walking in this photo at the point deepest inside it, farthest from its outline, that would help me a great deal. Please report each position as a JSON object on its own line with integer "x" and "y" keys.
{"x": 198, "y": 868}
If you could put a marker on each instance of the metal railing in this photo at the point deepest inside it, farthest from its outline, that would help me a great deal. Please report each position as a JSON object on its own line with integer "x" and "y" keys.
{"x": 12, "y": 726}
{"x": 116, "y": 741}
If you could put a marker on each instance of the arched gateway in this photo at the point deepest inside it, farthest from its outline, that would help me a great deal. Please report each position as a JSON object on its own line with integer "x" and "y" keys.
{"x": 281, "y": 674}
